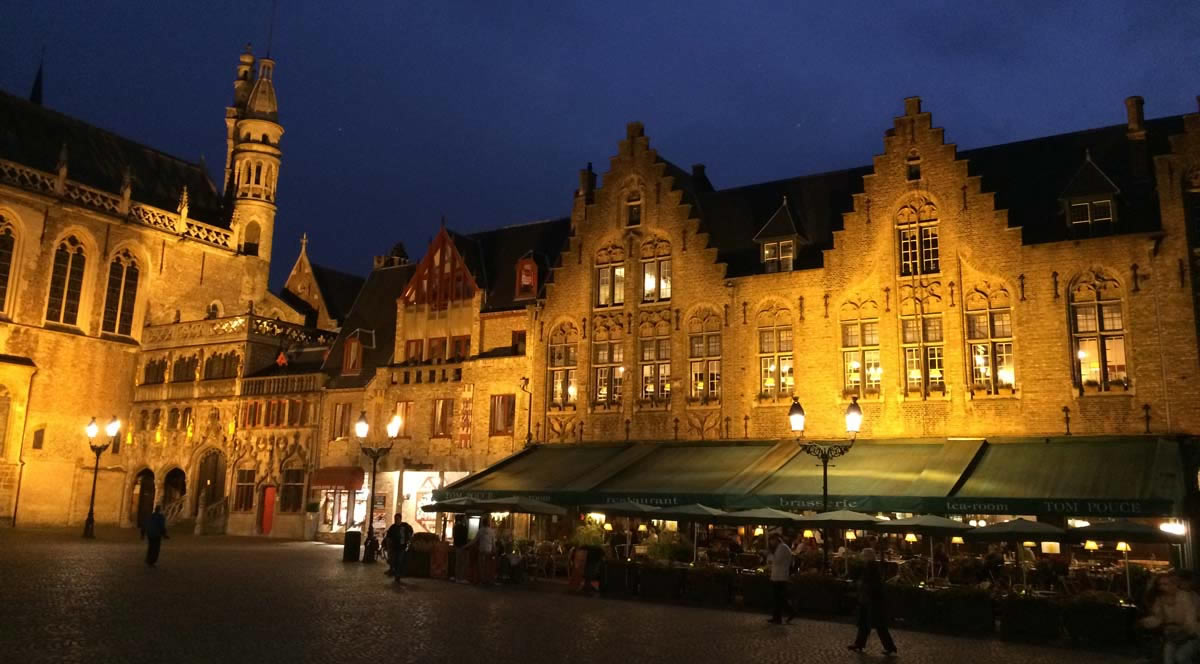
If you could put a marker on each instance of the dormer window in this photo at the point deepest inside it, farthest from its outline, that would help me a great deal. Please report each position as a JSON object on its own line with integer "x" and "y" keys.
{"x": 778, "y": 256}
{"x": 1091, "y": 217}
{"x": 633, "y": 209}
{"x": 352, "y": 357}
{"x": 526, "y": 278}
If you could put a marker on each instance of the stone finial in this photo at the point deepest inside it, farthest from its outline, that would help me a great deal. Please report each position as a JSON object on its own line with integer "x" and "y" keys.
{"x": 60, "y": 183}
{"x": 634, "y": 130}
{"x": 183, "y": 204}
{"x": 126, "y": 189}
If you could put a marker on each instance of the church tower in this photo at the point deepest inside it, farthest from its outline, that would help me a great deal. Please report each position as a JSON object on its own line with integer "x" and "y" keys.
{"x": 252, "y": 155}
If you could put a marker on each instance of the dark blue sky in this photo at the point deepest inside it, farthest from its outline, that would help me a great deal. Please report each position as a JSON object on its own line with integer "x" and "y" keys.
{"x": 396, "y": 113}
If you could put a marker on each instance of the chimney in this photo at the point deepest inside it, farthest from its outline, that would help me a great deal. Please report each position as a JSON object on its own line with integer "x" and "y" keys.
{"x": 912, "y": 105}
{"x": 587, "y": 183}
{"x": 698, "y": 171}
{"x": 700, "y": 177}
{"x": 1136, "y": 119}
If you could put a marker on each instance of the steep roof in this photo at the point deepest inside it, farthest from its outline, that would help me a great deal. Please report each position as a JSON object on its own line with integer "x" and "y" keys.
{"x": 372, "y": 315}
{"x": 33, "y": 136}
{"x": 338, "y": 289}
{"x": 492, "y": 257}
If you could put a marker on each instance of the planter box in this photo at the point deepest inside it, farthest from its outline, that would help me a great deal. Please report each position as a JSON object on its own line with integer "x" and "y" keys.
{"x": 712, "y": 587}
{"x": 660, "y": 583}
{"x": 618, "y": 577}
{"x": 417, "y": 564}
{"x": 1098, "y": 623}
{"x": 756, "y": 590}
{"x": 954, "y": 611}
{"x": 821, "y": 594}
{"x": 1030, "y": 619}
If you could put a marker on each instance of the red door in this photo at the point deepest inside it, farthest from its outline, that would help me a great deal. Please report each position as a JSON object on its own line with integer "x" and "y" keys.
{"x": 268, "y": 510}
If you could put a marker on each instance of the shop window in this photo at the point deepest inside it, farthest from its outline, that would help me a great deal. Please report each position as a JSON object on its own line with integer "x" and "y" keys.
{"x": 502, "y": 414}
{"x": 66, "y": 282}
{"x": 121, "y": 294}
{"x": 1098, "y": 334}
{"x": 861, "y": 369}
{"x": 243, "y": 497}
{"x": 291, "y": 494}
{"x": 924, "y": 365}
{"x": 443, "y": 418}
{"x": 917, "y": 232}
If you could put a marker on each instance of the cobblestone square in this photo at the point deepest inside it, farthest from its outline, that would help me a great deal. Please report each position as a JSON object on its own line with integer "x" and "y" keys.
{"x": 228, "y": 599}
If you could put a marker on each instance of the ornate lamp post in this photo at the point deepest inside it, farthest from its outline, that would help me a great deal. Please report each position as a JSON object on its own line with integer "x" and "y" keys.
{"x": 825, "y": 452}
{"x": 112, "y": 429}
{"x": 374, "y": 453}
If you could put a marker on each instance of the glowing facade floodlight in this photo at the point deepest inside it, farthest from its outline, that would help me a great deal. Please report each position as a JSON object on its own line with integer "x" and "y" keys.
{"x": 1173, "y": 528}
{"x": 796, "y": 416}
{"x": 854, "y": 416}
{"x": 92, "y": 429}
{"x": 113, "y": 427}
{"x": 361, "y": 428}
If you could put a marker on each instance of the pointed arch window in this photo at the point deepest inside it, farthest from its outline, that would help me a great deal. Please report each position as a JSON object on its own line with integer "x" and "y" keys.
{"x": 66, "y": 282}
{"x": 121, "y": 294}
{"x": 8, "y": 243}
{"x": 990, "y": 341}
{"x": 250, "y": 239}
{"x": 1098, "y": 334}
{"x": 656, "y": 271}
{"x": 610, "y": 276}
{"x": 704, "y": 357}
{"x": 563, "y": 360}
{"x": 776, "y": 372}
{"x": 917, "y": 237}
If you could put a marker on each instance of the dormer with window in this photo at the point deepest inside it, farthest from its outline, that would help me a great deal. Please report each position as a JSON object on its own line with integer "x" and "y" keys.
{"x": 527, "y": 278}
{"x": 352, "y": 357}
{"x": 778, "y": 240}
{"x": 1089, "y": 201}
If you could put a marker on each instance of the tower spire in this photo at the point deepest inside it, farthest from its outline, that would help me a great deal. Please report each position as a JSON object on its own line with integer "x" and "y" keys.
{"x": 35, "y": 94}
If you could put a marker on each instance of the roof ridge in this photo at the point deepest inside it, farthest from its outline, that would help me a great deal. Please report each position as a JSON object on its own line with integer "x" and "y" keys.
{"x": 1080, "y": 132}
{"x": 72, "y": 118}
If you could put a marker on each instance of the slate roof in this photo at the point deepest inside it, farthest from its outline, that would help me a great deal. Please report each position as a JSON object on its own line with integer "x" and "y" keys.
{"x": 338, "y": 290}
{"x": 374, "y": 310}
{"x": 492, "y": 257}
{"x": 33, "y": 136}
{"x": 300, "y": 361}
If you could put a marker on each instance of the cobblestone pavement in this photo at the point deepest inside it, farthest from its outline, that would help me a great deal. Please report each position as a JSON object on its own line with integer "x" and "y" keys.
{"x": 225, "y": 599}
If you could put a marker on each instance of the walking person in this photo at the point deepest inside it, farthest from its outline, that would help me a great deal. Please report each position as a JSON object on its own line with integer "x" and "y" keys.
{"x": 485, "y": 546}
{"x": 779, "y": 558}
{"x": 872, "y": 608}
{"x": 398, "y": 537}
{"x": 156, "y": 532}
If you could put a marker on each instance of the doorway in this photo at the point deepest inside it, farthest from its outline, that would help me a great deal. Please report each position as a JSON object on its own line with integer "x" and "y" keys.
{"x": 266, "y": 510}
{"x": 210, "y": 479}
{"x": 174, "y": 486}
{"x": 143, "y": 497}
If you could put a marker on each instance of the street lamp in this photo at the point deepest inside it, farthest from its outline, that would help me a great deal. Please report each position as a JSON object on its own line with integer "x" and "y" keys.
{"x": 112, "y": 429}
{"x": 825, "y": 452}
{"x": 374, "y": 453}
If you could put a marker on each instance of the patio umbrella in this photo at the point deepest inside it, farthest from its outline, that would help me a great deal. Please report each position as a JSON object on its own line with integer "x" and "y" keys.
{"x": 694, "y": 513}
{"x": 1017, "y": 530}
{"x": 926, "y": 524}
{"x": 520, "y": 505}
{"x": 841, "y": 519}
{"x": 766, "y": 516}
{"x": 1125, "y": 531}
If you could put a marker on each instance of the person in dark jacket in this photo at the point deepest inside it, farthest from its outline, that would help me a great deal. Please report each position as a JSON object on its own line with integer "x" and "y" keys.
{"x": 398, "y": 537}
{"x": 156, "y": 532}
{"x": 872, "y": 607}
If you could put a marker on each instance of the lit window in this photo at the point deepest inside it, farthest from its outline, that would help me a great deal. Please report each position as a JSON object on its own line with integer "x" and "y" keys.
{"x": 917, "y": 237}
{"x": 861, "y": 369}
{"x": 66, "y": 282}
{"x": 776, "y": 375}
{"x": 654, "y": 348}
{"x": 563, "y": 351}
{"x": 1098, "y": 335}
{"x": 924, "y": 358}
{"x": 608, "y": 360}
{"x": 443, "y": 418}
{"x": 121, "y": 294}
{"x": 404, "y": 410}
{"x": 352, "y": 357}
{"x": 656, "y": 271}
{"x": 610, "y": 277}
{"x": 526, "y": 278}
{"x": 1091, "y": 217}
{"x": 704, "y": 357}
{"x": 503, "y": 411}
{"x": 990, "y": 344}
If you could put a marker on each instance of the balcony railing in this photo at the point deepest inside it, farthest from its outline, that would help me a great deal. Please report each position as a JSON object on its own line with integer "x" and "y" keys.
{"x": 244, "y": 327}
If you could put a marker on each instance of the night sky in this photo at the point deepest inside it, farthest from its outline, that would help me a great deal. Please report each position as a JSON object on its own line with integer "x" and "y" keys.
{"x": 396, "y": 113}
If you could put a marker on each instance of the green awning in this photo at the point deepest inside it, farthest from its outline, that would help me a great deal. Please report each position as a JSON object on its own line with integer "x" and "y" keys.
{"x": 539, "y": 470}
{"x": 700, "y": 468}
{"x": 1082, "y": 476}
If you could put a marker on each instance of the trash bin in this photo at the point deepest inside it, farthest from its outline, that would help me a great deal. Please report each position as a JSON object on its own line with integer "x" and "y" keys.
{"x": 350, "y": 548}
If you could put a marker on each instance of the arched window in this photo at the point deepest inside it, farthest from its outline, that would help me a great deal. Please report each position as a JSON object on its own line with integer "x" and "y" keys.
{"x": 144, "y": 420}
{"x": 704, "y": 356}
{"x": 917, "y": 234}
{"x": 8, "y": 243}
{"x": 155, "y": 372}
{"x": 862, "y": 371}
{"x": 184, "y": 369}
{"x": 173, "y": 419}
{"x": 1098, "y": 333}
{"x": 610, "y": 276}
{"x": 250, "y": 239}
{"x": 221, "y": 365}
{"x": 291, "y": 494}
{"x": 656, "y": 270}
{"x": 563, "y": 359}
{"x": 989, "y": 340}
{"x": 608, "y": 359}
{"x": 654, "y": 357}
{"x": 121, "y": 294}
{"x": 155, "y": 418}
{"x": 776, "y": 373}
{"x": 66, "y": 282}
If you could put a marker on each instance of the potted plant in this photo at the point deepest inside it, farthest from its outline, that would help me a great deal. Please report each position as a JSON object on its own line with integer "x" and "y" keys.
{"x": 311, "y": 517}
{"x": 1091, "y": 386}
{"x": 979, "y": 390}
